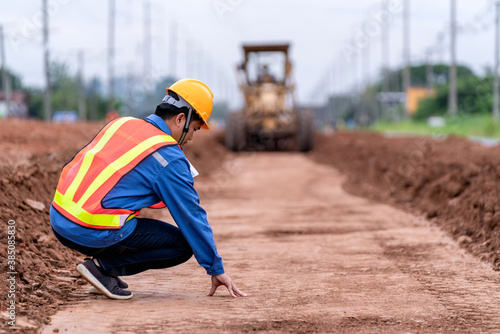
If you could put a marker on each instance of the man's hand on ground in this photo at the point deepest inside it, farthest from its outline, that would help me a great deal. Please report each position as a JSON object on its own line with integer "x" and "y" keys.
{"x": 224, "y": 279}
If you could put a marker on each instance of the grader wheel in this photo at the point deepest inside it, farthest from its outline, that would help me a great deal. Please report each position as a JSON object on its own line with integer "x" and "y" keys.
{"x": 236, "y": 136}
{"x": 305, "y": 131}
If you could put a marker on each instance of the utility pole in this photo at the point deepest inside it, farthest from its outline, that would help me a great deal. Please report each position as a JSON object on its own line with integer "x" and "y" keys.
{"x": 82, "y": 108}
{"x": 200, "y": 58}
{"x": 386, "y": 75}
{"x": 385, "y": 54}
{"x": 211, "y": 70}
{"x": 93, "y": 100}
{"x": 331, "y": 93}
{"x": 497, "y": 64}
{"x": 452, "y": 99}
{"x": 207, "y": 69}
{"x": 340, "y": 85}
{"x": 173, "y": 50}
{"x": 131, "y": 97}
{"x": 221, "y": 84}
{"x": 215, "y": 73}
{"x": 5, "y": 75}
{"x": 366, "y": 81}
{"x": 47, "y": 95}
{"x": 147, "y": 53}
{"x": 359, "y": 87}
{"x": 441, "y": 48}
{"x": 334, "y": 78}
{"x": 366, "y": 66}
{"x": 429, "y": 70}
{"x": 359, "y": 69}
{"x": 111, "y": 53}
{"x": 187, "y": 58}
{"x": 406, "y": 52}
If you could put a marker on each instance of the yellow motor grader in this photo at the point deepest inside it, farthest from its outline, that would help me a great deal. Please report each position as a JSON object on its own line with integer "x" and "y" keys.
{"x": 269, "y": 118}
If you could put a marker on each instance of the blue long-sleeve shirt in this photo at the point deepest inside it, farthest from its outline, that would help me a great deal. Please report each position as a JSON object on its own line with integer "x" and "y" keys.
{"x": 168, "y": 179}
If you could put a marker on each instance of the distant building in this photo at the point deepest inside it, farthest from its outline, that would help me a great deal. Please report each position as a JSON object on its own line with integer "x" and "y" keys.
{"x": 18, "y": 106}
{"x": 410, "y": 100}
{"x": 416, "y": 94}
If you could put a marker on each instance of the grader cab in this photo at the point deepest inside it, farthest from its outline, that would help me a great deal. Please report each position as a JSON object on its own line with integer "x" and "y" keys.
{"x": 269, "y": 118}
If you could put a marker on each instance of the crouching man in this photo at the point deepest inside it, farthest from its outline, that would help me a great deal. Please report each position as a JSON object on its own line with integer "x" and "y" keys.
{"x": 133, "y": 164}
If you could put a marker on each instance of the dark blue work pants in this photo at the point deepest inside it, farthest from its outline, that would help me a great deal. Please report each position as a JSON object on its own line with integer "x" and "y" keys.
{"x": 152, "y": 245}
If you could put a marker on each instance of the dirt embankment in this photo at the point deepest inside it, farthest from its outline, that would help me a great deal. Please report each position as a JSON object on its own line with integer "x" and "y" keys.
{"x": 31, "y": 156}
{"x": 451, "y": 181}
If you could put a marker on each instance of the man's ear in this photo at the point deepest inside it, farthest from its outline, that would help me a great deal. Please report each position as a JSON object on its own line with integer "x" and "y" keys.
{"x": 180, "y": 119}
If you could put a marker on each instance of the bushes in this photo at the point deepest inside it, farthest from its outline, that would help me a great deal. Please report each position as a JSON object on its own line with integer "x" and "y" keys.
{"x": 475, "y": 96}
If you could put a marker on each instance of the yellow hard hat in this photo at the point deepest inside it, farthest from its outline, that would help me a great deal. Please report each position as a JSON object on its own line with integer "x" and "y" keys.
{"x": 198, "y": 95}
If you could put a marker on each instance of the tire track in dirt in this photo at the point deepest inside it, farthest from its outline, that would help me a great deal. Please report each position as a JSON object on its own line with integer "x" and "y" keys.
{"x": 312, "y": 259}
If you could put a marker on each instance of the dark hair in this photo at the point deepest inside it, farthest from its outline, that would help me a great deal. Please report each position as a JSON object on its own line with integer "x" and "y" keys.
{"x": 167, "y": 111}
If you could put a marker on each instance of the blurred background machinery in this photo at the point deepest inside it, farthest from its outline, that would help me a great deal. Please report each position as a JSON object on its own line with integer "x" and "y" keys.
{"x": 270, "y": 118}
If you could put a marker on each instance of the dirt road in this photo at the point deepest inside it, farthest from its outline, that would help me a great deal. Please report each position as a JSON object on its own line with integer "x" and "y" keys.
{"x": 312, "y": 259}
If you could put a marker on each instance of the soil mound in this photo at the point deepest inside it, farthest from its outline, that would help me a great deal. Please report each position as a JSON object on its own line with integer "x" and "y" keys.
{"x": 452, "y": 181}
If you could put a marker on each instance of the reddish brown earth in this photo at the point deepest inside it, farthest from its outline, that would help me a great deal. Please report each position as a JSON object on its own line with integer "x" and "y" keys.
{"x": 312, "y": 257}
{"x": 454, "y": 183}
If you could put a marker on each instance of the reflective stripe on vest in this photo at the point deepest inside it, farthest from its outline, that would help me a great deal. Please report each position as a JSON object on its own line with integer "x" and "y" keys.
{"x": 96, "y": 169}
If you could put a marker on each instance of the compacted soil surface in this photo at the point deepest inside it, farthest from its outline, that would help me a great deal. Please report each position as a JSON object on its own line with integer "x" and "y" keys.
{"x": 312, "y": 258}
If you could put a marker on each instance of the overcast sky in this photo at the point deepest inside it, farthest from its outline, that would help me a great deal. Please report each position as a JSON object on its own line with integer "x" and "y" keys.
{"x": 323, "y": 33}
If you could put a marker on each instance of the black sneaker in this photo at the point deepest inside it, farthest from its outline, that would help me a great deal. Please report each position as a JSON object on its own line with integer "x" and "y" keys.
{"x": 121, "y": 284}
{"x": 103, "y": 282}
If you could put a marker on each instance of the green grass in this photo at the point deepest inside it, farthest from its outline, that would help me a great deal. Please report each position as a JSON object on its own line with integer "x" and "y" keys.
{"x": 466, "y": 125}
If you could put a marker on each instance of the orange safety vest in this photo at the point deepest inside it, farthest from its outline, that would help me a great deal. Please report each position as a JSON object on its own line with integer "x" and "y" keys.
{"x": 120, "y": 146}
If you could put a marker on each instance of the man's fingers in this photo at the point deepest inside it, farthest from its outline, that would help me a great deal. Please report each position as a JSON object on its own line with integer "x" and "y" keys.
{"x": 212, "y": 290}
{"x": 238, "y": 292}
{"x": 242, "y": 294}
{"x": 228, "y": 283}
{"x": 230, "y": 288}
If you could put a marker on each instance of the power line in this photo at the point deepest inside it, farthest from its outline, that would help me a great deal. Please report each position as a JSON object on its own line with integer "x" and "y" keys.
{"x": 481, "y": 22}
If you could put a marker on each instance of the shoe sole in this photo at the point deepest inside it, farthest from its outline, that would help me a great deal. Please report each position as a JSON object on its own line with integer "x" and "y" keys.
{"x": 94, "y": 291}
{"x": 98, "y": 285}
